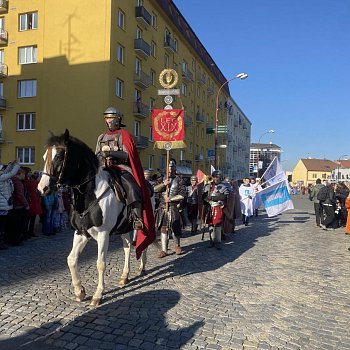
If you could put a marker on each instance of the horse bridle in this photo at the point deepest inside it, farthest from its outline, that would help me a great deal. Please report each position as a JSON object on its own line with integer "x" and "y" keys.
{"x": 60, "y": 174}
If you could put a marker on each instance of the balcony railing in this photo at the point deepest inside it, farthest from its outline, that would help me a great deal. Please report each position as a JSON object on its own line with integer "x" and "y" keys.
{"x": 201, "y": 79}
{"x": 3, "y": 37}
{"x": 3, "y": 70}
{"x": 200, "y": 118}
{"x": 4, "y": 6}
{"x": 2, "y": 103}
{"x": 142, "y": 79}
{"x": 143, "y": 16}
{"x": 141, "y": 141}
{"x": 170, "y": 44}
{"x": 198, "y": 157}
{"x": 140, "y": 109}
{"x": 187, "y": 74}
{"x": 142, "y": 48}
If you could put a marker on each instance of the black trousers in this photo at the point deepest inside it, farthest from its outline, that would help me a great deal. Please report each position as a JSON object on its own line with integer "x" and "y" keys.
{"x": 328, "y": 215}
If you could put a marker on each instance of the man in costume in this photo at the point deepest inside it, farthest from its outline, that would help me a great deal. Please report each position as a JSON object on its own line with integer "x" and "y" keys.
{"x": 215, "y": 197}
{"x": 192, "y": 204}
{"x": 115, "y": 148}
{"x": 246, "y": 192}
{"x": 167, "y": 217}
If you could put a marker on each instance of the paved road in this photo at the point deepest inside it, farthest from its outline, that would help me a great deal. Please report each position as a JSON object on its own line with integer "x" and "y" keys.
{"x": 280, "y": 283}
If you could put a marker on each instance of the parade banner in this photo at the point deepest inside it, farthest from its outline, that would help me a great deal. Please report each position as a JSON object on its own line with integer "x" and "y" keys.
{"x": 168, "y": 127}
{"x": 276, "y": 198}
{"x": 274, "y": 172}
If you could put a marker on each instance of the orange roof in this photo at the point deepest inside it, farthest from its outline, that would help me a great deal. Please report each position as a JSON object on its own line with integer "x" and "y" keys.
{"x": 319, "y": 164}
{"x": 344, "y": 163}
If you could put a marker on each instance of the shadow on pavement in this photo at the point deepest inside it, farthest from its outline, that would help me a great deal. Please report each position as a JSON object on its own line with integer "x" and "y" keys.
{"x": 127, "y": 322}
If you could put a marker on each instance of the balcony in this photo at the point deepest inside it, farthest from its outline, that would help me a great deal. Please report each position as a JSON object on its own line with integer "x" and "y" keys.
{"x": 2, "y": 103}
{"x": 142, "y": 79}
{"x": 170, "y": 44}
{"x": 201, "y": 79}
{"x": 199, "y": 157}
{"x": 210, "y": 90}
{"x": 187, "y": 75}
{"x": 3, "y": 37}
{"x": 188, "y": 120}
{"x": 142, "y": 48}
{"x": 140, "y": 110}
{"x": 200, "y": 118}
{"x": 4, "y": 6}
{"x": 143, "y": 16}
{"x": 210, "y": 129}
{"x": 3, "y": 71}
{"x": 141, "y": 141}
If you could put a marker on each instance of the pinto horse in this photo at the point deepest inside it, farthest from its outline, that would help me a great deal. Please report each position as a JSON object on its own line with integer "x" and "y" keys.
{"x": 97, "y": 209}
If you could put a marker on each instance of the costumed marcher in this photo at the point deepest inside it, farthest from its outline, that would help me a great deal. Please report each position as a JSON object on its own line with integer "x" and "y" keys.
{"x": 229, "y": 210}
{"x": 192, "y": 204}
{"x": 246, "y": 192}
{"x": 116, "y": 149}
{"x": 150, "y": 185}
{"x": 167, "y": 215}
{"x": 255, "y": 183}
{"x": 215, "y": 198}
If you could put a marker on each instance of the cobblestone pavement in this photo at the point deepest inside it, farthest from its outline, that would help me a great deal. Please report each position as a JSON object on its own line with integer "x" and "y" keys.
{"x": 280, "y": 283}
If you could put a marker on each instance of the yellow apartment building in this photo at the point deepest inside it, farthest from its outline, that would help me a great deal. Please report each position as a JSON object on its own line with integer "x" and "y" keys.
{"x": 308, "y": 170}
{"x": 64, "y": 62}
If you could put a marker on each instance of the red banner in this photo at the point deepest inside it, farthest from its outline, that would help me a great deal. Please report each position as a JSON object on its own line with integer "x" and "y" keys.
{"x": 168, "y": 125}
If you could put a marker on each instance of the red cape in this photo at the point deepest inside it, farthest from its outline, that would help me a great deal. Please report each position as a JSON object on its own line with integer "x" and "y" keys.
{"x": 146, "y": 236}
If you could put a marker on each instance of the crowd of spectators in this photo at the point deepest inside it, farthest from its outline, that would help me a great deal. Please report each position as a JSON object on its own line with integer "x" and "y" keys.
{"x": 24, "y": 214}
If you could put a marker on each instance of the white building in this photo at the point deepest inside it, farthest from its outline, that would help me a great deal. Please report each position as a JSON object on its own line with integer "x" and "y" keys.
{"x": 236, "y": 164}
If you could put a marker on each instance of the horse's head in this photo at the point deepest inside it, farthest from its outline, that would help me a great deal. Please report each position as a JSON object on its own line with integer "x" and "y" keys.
{"x": 55, "y": 161}
{"x": 68, "y": 161}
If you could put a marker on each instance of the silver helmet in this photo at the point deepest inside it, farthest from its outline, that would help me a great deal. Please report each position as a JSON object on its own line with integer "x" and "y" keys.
{"x": 112, "y": 112}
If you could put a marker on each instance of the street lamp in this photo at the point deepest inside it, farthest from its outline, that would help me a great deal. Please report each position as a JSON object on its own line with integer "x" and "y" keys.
{"x": 240, "y": 76}
{"x": 258, "y": 158}
{"x": 339, "y": 159}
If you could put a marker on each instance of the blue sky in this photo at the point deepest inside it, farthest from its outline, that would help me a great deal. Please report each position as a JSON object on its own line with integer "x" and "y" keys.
{"x": 297, "y": 56}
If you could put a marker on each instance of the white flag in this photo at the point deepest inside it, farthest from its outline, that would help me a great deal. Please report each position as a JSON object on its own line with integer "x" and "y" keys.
{"x": 211, "y": 169}
{"x": 276, "y": 198}
{"x": 275, "y": 168}
{"x": 277, "y": 178}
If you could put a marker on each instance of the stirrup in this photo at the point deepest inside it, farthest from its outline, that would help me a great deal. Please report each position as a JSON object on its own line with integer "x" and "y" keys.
{"x": 138, "y": 224}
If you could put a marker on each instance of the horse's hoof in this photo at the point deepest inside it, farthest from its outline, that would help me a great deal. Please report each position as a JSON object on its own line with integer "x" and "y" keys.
{"x": 81, "y": 296}
{"x": 142, "y": 272}
{"x": 95, "y": 302}
{"x": 123, "y": 282}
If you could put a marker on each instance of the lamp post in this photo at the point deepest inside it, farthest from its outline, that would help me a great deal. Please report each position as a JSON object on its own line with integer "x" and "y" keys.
{"x": 258, "y": 158}
{"x": 240, "y": 76}
{"x": 339, "y": 159}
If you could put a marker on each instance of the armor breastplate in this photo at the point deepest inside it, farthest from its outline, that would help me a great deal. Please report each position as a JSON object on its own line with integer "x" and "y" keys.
{"x": 192, "y": 195}
{"x": 113, "y": 141}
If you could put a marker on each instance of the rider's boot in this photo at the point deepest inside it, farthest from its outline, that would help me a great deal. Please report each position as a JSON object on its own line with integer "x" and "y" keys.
{"x": 136, "y": 213}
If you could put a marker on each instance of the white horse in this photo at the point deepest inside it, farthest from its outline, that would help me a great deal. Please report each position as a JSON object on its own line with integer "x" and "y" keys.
{"x": 97, "y": 210}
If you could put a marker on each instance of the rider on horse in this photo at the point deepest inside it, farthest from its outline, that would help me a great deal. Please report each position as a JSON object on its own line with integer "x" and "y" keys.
{"x": 116, "y": 149}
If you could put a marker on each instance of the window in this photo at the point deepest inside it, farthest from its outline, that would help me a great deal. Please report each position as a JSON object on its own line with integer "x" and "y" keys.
{"x": 162, "y": 161}
{"x": 150, "y": 134}
{"x": 138, "y": 33}
{"x": 25, "y": 121}
{"x": 1, "y": 132}
{"x": 153, "y": 77}
{"x": 27, "y": 55}
{"x": 26, "y": 155}
{"x": 166, "y": 61}
{"x": 120, "y": 53}
{"x": 150, "y": 162}
{"x": 182, "y": 155}
{"x": 2, "y": 90}
{"x": 154, "y": 20}
{"x": 139, "y": 2}
{"x": 121, "y": 19}
{"x": 119, "y": 88}
{"x": 138, "y": 66}
{"x": 28, "y": 21}
{"x": 184, "y": 89}
{"x": 152, "y": 103}
{"x": 26, "y": 88}
{"x": 2, "y": 57}
{"x": 175, "y": 44}
{"x": 136, "y": 129}
{"x": 314, "y": 176}
{"x": 153, "y": 49}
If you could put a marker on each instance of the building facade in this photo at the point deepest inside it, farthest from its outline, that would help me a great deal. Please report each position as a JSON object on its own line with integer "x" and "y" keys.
{"x": 237, "y": 139}
{"x": 308, "y": 170}
{"x": 63, "y": 63}
{"x": 261, "y": 155}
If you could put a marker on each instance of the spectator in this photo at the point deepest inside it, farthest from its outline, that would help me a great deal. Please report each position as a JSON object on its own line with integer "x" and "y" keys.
{"x": 17, "y": 217}
{"x": 48, "y": 203}
{"x": 313, "y": 197}
{"x": 328, "y": 206}
{"x": 6, "y": 189}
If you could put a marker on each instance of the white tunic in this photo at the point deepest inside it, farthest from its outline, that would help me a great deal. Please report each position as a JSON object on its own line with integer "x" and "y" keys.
{"x": 246, "y": 202}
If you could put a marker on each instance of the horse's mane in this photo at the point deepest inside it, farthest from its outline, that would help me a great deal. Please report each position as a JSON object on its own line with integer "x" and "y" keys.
{"x": 89, "y": 155}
